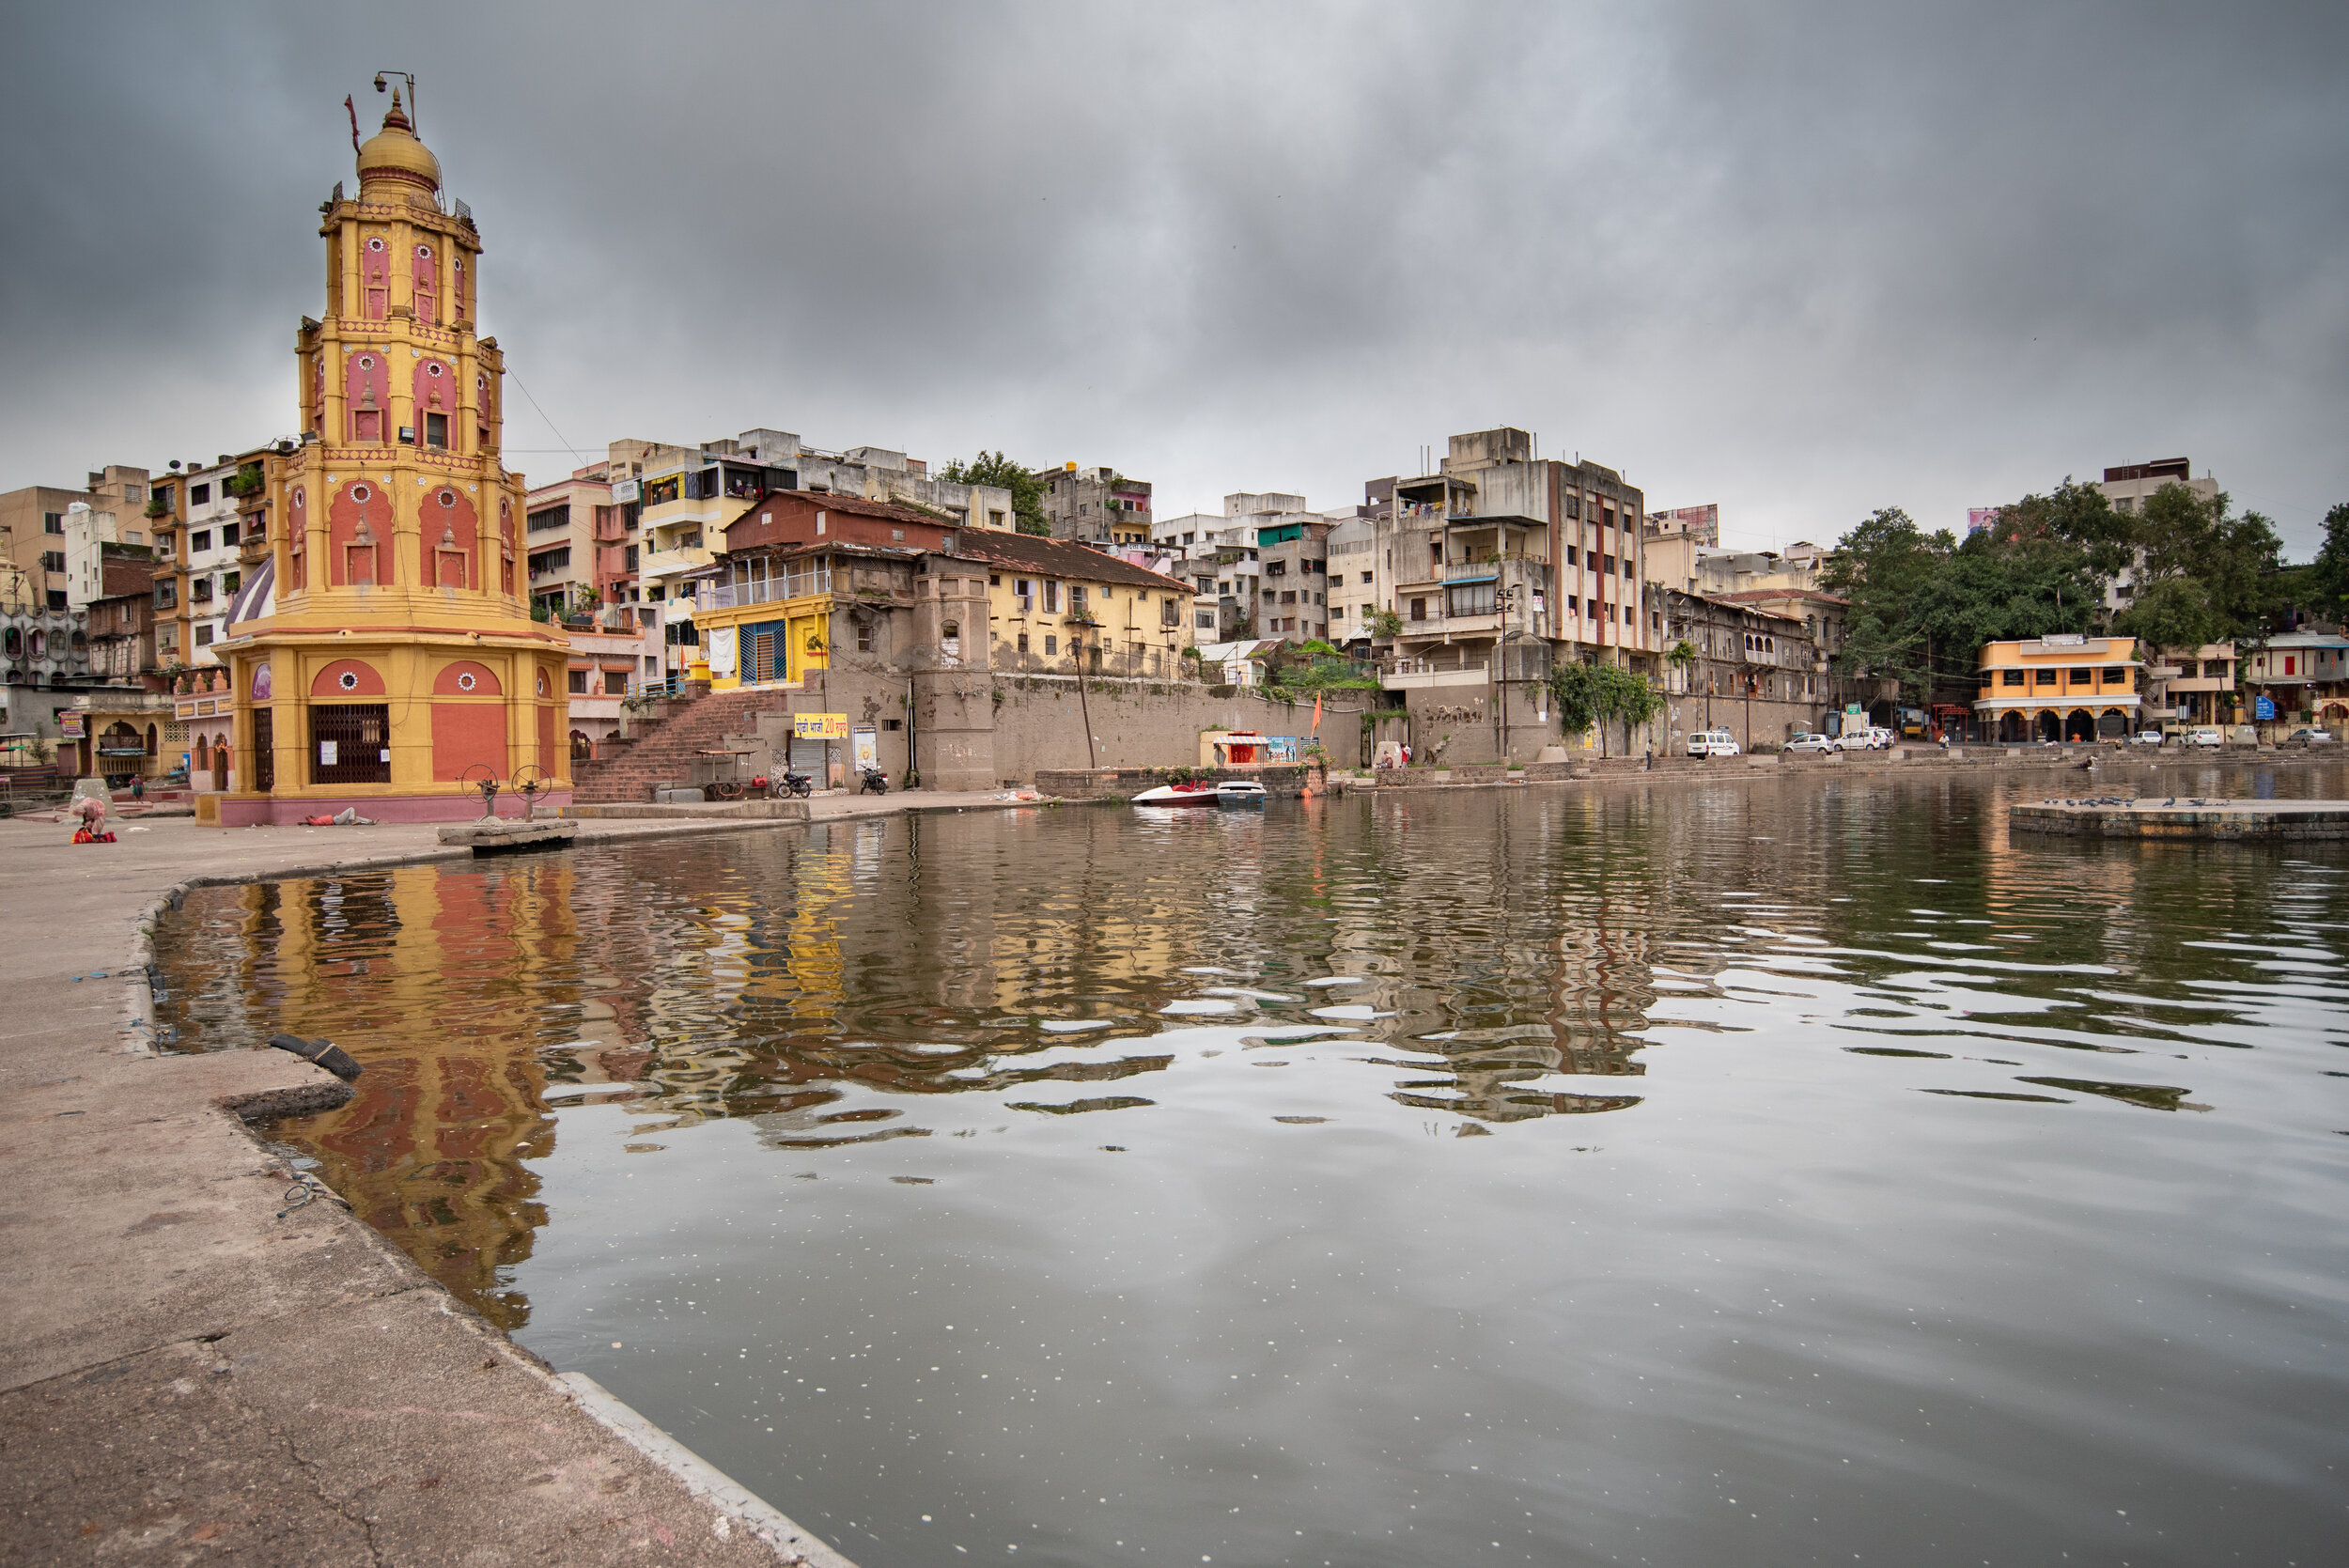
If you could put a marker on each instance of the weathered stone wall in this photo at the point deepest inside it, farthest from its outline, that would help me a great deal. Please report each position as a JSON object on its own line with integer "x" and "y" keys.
{"x": 1748, "y": 722}
{"x": 1039, "y": 724}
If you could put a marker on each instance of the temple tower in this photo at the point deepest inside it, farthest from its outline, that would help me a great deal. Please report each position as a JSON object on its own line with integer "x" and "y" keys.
{"x": 381, "y": 641}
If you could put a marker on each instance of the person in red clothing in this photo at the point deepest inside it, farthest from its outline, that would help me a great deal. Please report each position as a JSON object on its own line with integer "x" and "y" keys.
{"x": 91, "y": 811}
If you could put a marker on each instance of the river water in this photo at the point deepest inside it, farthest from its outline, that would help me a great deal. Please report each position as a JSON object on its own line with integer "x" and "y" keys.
{"x": 1765, "y": 1172}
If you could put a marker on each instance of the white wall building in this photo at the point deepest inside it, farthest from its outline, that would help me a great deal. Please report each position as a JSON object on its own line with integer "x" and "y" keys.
{"x": 86, "y": 533}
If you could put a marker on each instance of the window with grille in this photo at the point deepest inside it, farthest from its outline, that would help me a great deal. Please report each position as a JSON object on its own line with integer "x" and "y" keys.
{"x": 351, "y": 743}
{"x": 1472, "y": 598}
{"x": 264, "y": 749}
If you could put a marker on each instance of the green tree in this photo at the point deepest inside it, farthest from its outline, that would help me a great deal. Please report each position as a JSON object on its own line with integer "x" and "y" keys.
{"x": 993, "y": 467}
{"x": 1625, "y": 698}
{"x": 2077, "y": 515}
{"x": 1588, "y": 696}
{"x": 2231, "y": 561}
{"x": 1990, "y": 589}
{"x": 1573, "y": 694}
{"x": 2327, "y": 583}
{"x": 1884, "y": 567}
{"x": 2174, "y": 613}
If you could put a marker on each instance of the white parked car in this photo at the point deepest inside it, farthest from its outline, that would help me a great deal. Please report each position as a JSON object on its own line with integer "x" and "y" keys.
{"x": 1879, "y": 739}
{"x": 2146, "y": 737}
{"x": 2206, "y": 736}
{"x": 1853, "y": 740}
{"x": 1810, "y": 744}
{"x": 1712, "y": 743}
{"x": 2309, "y": 738}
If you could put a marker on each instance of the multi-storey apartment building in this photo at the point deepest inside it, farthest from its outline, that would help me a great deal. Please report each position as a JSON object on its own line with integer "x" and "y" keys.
{"x": 121, "y": 622}
{"x": 32, "y": 531}
{"x": 2128, "y": 486}
{"x": 673, "y": 506}
{"x": 1218, "y": 558}
{"x": 92, "y": 537}
{"x": 206, "y": 523}
{"x": 576, "y": 540}
{"x": 1500, "y": 556}
{"x": 1755, "y": 672}
{"x": 1292, "y": 597}
{"x": 1096, "y": 506}
{"x": 1259, "y": 565}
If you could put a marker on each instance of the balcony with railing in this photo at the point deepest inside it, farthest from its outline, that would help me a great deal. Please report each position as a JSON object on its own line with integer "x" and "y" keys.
{"x": 774, "y": 590}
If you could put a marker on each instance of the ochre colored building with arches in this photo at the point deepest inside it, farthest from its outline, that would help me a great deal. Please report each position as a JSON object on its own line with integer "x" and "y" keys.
{"x": 2058, "y": 687}
{"x": 382, "y": 644}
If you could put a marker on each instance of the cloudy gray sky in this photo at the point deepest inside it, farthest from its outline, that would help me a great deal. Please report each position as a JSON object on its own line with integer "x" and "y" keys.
{"x": 1800, "y": 259}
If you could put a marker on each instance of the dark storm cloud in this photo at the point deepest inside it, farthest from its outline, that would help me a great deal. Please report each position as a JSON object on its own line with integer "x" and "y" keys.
{"x": 1801, "y": 261}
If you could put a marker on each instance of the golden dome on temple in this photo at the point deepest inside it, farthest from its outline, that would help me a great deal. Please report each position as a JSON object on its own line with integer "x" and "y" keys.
{"x": 394, "y": 153}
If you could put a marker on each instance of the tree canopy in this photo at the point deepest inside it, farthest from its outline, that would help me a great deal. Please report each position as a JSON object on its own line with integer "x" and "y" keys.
{"x": 2205, "y": 574}
{"x": 993, "y": 467}
{"x": 1923, "y": 604}
{"x": 1600, "y": 695}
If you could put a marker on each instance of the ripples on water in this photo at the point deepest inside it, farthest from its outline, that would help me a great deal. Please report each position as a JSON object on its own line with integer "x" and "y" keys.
{"x": 1769, "y": 1173}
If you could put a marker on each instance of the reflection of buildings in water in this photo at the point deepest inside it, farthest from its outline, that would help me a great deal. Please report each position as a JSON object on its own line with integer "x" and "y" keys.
{"x": 1557, "y": 939}
{"x": 1104, "y": 905}
{"x": 2017, "y": 878}
{"x": 804, "y": 979}
{"x": 430, "y": 1148}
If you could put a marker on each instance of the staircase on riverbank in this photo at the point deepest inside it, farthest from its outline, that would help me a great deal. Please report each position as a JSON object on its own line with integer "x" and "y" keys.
{"x": 668, "y": 743}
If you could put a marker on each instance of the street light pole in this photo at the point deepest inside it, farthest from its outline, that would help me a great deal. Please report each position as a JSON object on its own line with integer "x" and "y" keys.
{"x": 1076, "y": 647}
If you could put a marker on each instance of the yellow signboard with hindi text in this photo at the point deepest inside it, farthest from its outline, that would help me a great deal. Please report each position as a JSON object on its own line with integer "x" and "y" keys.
{"x": 819, "y": 726}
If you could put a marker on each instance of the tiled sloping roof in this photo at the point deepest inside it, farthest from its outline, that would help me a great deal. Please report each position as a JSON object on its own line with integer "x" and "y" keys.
{"x": 1030, "y": 553}
{"x": 858, "y": 507}
{"x": 1751, "y": 595}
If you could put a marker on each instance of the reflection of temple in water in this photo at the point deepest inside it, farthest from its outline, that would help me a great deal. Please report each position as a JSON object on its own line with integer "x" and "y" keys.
{"x": 822, "y": 983}
{"x": 430, "y": 1148}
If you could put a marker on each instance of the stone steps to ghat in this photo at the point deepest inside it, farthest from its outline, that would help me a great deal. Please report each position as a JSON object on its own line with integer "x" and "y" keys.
{"x": 668, "y": 749}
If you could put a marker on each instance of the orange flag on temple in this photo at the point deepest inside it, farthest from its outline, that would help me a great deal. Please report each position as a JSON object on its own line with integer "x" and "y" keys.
{"x": 1316, "y": 713}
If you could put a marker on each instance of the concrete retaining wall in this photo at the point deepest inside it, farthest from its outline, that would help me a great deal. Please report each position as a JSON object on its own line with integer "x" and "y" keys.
{"x": 1040, "y": 725}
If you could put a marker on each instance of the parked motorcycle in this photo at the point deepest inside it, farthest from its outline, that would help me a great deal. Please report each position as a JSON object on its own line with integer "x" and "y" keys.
{"x": 876, "y": 782}
{"x": 785, "y": 783}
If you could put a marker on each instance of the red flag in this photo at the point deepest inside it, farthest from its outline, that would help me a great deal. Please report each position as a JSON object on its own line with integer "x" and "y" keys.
{"x": 354, "y": 122}
{"x": 1316, "y": 713}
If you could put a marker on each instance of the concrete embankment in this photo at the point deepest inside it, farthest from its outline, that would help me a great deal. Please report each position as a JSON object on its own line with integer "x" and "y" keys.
{"x": 189, "y": 1368}
{"x": 2050, "y": 764}
{"x": 2153, "y": 817}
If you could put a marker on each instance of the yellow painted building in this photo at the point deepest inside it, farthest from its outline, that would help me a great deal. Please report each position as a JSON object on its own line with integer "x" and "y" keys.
{"x": 380, "y": 646}
{"x": 773, "y": 632}
{"x": 1054, "y": 607}
{"x": 2060, "y": 687}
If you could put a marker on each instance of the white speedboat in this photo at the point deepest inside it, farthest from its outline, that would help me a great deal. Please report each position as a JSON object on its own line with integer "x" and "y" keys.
{"x": 1240, "y": 792}
{"x": 1189, "y": 792}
